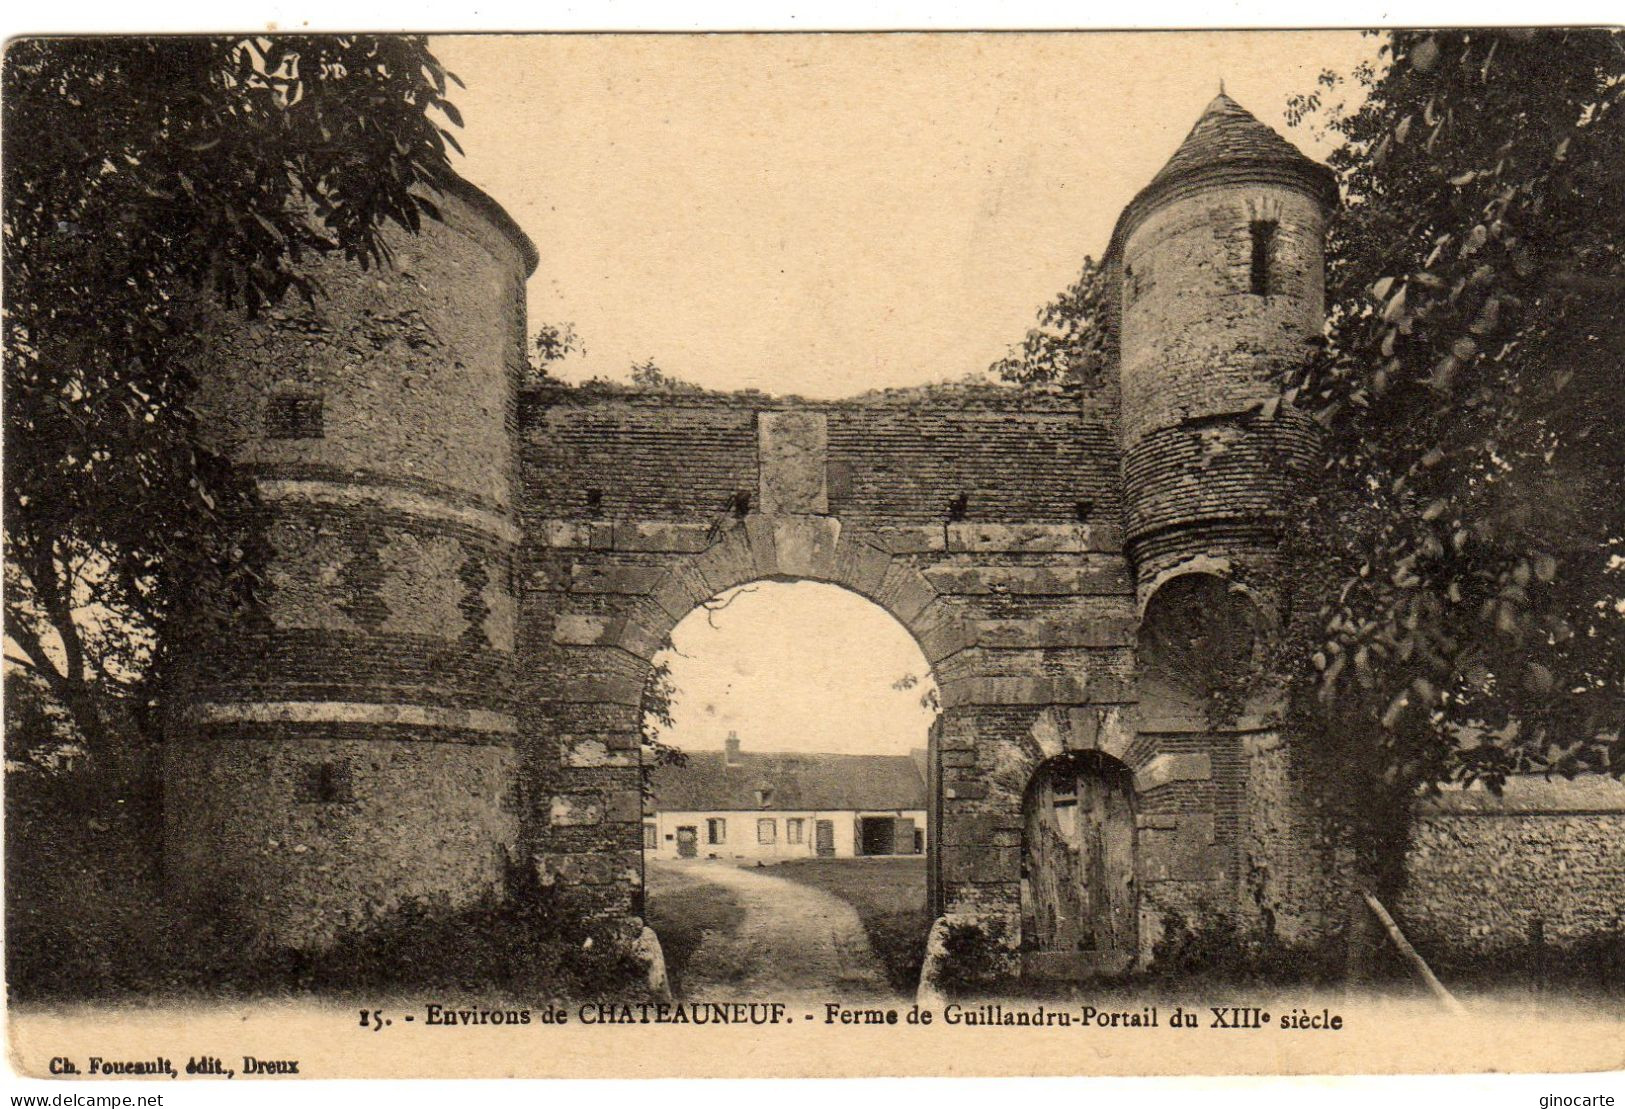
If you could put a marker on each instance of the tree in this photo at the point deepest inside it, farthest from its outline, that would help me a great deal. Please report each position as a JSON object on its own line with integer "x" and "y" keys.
{"x": 659, "y": 691}
{"x": 143, "y": 177}
{"x": 553, "y": 342}
{"x": 1455, "y": 571}
{"x": 1068, "y": 347}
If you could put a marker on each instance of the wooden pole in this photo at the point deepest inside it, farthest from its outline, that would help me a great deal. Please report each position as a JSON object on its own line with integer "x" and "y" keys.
{"x": 1418, "y": 964}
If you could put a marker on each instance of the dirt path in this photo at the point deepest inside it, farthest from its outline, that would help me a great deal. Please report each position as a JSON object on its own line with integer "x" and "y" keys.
{"x": 795, "y": 943}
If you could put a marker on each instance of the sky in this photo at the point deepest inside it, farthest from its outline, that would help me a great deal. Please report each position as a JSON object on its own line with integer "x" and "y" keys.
{"x": 797, "y": 666}
{"x": 826, "y": 214}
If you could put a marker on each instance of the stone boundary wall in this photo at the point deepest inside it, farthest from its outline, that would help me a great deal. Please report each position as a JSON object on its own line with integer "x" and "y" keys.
{"x": 1484, "y": 870}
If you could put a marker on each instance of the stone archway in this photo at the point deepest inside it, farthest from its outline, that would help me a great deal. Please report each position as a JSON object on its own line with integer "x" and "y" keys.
{"x": 598, "y": 728}
{"x": 964, "y": 523}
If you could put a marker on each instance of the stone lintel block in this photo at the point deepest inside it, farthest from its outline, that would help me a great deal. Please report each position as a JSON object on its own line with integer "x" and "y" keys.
{"x": 1067, "y": 631}
{"x": 625, "y": 807}
{"x": 1168, "y": 767}
{"x": 601, "y": 535}
{"x": 570, "y": 810}
{"x": 587, "y": 577}
{"x": 1017, "y": 689}
{"x": 1003, "y": 538}
{"x": 586, "y": 869}
{"x": 806, "y": 545}
{"x": 959, "y": 759}
{"x": 1033, "y": 581}
{"x": 1160, "y": 821}
{"x": 913, "y": 538}
{"x": 616, "y": 689}
{"x": 957, "y": 741}
{"x": 565, "y": 533}
{"x": 1195, "y": 721}
{"x": 860, "y": 565}
{"x": 792, "y": 450}
{"x": 666, "y": 537}
{"x": 587, "y": 752}
{"x": 585, "y": 629}
{"x": 965, "y": 790}
{"x": 1103, "y": 538}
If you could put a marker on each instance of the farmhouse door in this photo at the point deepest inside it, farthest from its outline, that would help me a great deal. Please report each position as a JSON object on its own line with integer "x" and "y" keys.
{"x": 826, "y": 838}
{"x": 688, "y": 839}
{"x": 1079, "y": 861}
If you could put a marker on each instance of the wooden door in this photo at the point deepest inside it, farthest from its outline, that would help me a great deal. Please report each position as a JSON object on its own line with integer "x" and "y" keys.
{"x": 825, "y": 833}
{"x": 1078, "y": 869}
{"x": 688, "y": 840}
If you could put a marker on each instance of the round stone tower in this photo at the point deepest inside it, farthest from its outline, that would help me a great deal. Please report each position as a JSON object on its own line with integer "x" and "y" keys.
{"x": 1220, "y": 263}
{"x": 352, "y": 744}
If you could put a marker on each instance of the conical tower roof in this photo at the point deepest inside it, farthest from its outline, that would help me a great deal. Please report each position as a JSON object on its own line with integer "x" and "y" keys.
{"x": 1228, "y": 143}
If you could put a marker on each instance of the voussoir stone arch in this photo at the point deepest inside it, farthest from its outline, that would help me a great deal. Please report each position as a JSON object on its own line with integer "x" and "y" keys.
{"x": 800, "y": 548}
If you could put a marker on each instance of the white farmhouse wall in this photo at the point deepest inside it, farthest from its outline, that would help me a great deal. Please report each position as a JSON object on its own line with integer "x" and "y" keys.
{"x": 742, "y": 840}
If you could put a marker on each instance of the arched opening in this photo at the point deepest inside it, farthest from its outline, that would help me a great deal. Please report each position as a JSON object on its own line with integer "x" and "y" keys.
{"x": 1078, "y": 898}
{"x": 788, "y": 820}
{"x": 1198, "y": 640}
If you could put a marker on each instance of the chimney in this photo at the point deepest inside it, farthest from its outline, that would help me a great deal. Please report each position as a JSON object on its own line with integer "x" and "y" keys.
{"x": 731, "y": 750}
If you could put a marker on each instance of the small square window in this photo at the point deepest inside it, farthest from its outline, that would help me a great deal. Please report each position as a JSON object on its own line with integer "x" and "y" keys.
{"x": 294, "y": 418}
{"x": 326, "y": 783}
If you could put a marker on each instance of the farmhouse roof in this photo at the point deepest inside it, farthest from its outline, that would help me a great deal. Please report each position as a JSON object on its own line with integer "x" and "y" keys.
{"x": 781, "y": 782}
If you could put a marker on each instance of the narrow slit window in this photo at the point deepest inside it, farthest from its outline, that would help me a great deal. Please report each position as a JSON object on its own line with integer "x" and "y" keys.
{"x": 294, "y": 417}
{"x": 326, "y": 783}
{"x": 1263, "y": 253}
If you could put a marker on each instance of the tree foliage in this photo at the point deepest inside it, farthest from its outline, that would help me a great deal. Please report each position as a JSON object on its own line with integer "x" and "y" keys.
{"x": 659, "y": 691}
{"x": 1068, "y": 348}
{"x": 145, "y": 177}
{"x": 1455, "y": 571}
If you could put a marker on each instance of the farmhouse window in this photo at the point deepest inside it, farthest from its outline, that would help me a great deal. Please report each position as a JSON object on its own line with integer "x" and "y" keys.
{"x": 716, "y": 830}
{"x": 767, "y": 831}
{"x": 795, "y": 830}
{"x": 651, "y": 837}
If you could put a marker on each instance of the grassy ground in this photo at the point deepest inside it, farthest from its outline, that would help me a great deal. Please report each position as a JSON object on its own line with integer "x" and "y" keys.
{"x": 889, "y": 894}
{"x": 682, "y": 907}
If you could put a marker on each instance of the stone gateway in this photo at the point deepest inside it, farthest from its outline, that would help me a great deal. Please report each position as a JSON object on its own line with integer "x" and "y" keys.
{"x": 469, "y": 576}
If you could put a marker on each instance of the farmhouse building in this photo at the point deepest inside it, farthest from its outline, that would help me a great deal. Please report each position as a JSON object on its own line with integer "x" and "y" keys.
{"x": 731, "y": 804}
